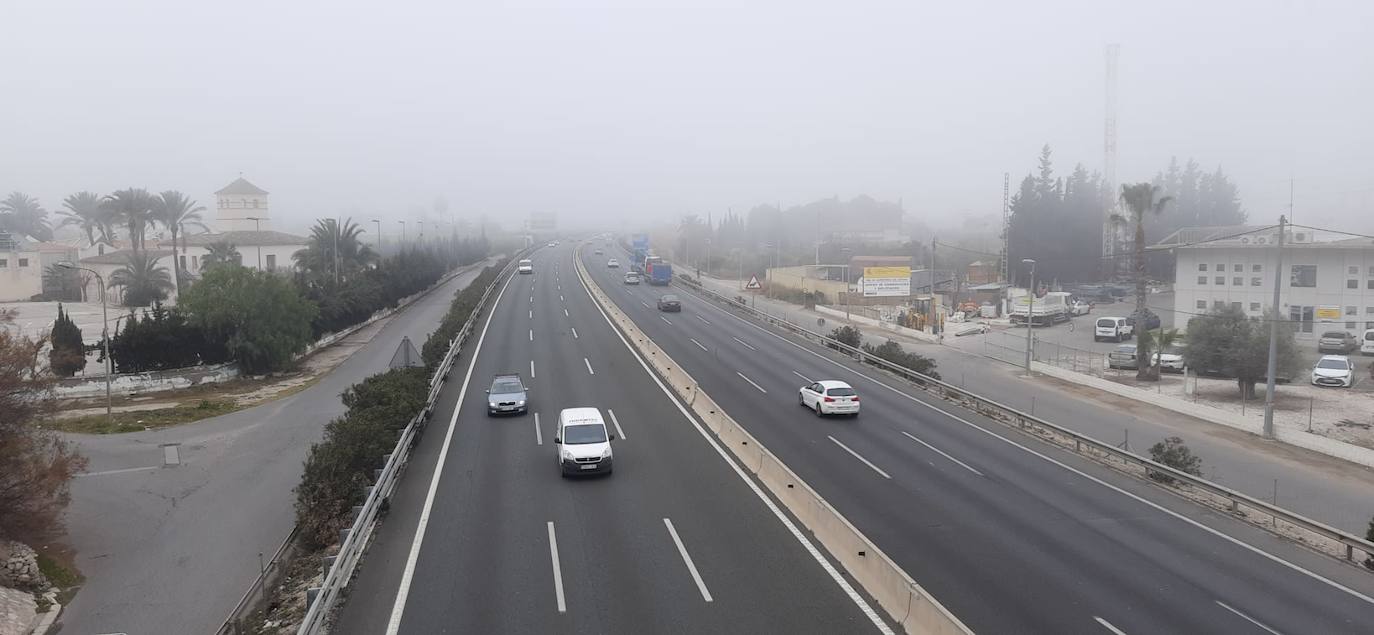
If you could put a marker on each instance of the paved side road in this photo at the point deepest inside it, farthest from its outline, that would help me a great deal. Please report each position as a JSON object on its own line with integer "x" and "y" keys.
{"x": 1321, "y": 487}
{"x": 172, "y": 549}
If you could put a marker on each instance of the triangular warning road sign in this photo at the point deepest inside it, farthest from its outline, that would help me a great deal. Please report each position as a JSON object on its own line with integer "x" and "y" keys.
{"x": 405, "y": 356}
{"x": 753, "y": 283}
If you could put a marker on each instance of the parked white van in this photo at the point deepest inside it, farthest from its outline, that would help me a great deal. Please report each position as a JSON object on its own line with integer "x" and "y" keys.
{"x": 584, "y": 446}
{"x": 1367, "y": 342}
{"x": 1112, "y": 328}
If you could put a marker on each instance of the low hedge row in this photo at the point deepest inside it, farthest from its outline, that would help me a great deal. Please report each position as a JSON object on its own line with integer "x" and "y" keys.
{"x": 464, "y": 302}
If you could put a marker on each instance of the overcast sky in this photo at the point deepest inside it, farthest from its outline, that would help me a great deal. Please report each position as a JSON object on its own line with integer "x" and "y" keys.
{"x": 618, "y": 111}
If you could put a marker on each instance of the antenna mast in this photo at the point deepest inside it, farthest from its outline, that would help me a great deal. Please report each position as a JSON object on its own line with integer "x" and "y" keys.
{"x": 1110, "y": 240}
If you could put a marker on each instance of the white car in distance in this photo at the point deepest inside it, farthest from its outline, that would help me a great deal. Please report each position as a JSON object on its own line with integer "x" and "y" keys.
{"x": 526, "y": 266}
{"x": 613, "y": 263}
{"x": 830, "y": 397}
{"x": 1334, "y": 370}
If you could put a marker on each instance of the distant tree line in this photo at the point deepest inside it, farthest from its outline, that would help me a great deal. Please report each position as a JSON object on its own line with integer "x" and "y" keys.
{"x": 1058, "y": 221}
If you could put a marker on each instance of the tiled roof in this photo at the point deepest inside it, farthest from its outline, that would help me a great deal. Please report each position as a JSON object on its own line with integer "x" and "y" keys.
{"x": 241, "y": 187}
{"x": 122, "y": 256}
{"x": 249, "y": 238}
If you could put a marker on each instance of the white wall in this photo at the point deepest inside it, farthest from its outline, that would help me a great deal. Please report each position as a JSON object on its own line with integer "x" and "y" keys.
{"x": 195, "y": 256}
{"x": 1333, "y": 275}
{"x": 19, "y": 282}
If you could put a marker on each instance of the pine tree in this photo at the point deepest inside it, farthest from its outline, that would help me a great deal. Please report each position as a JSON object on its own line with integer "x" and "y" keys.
{"x": 68, "y": 354}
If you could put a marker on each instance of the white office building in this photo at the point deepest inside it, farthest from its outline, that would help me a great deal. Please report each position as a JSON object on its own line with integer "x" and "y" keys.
{"x": 1327, "y": 279}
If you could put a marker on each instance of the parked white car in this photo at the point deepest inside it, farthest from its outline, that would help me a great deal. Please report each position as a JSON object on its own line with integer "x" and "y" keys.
{"x": 584, "y": 447}
{"x": 1112, "y": 328}
{"x": 1170, "y": 360}
{"x": 830, "y": 397}
{"x": 1334, "y": 370}
{"x": 1080, "y": 307}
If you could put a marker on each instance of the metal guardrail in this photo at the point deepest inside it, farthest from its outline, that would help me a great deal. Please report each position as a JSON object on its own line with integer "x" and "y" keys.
{"x": 1080, "y": 443}
{"x": 355, "y": 539}
{"x": 266, "y": 571}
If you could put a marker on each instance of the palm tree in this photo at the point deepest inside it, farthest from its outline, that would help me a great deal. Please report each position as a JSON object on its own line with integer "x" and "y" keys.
{"x": 84, "y": 211}
{"x": 334, "y": 252}
{"x": 221, "y": 253}
{"x": 1157, "y": 340}
{"x": 22, "y": 214}
{"x": 1140, "y": 199}
{"x": 133, "y": 208}
{"x": 143, "y": 280}
{"x": 175, "y": 211}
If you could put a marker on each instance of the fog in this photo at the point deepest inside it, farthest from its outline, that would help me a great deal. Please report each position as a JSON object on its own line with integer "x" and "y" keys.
{"x": 610, "y": 113}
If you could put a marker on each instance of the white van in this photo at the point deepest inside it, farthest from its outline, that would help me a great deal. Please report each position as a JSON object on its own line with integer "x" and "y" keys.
{"x": 526, "y": 266}
{"x": 1112, "y": 328}
{"x": 584, "y": 446}
{"x": 1367, "y": 342}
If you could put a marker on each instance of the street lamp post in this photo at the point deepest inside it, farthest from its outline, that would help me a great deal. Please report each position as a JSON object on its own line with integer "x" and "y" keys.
{"x": 257, "y": 223}
{"x": 1030, "y": 313}
{"x": 379, "y": 236}
{"x": 844, "y": 252}
{"x": 104, "y": 335}
{"x": 403, "y": 234}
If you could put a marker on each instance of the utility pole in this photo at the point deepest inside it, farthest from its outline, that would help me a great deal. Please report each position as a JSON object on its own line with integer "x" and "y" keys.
{"x": 1272, "y": 367}
{"x": 379, "y": 236}
{"x": 1006, "y": 227}
{"x": 337, "y": 228}
{"x": 932, "y": 285}
{"x": 257, "y": 223}
{"x": 1030, "y": 314}
{"x": 1109, "y": 228}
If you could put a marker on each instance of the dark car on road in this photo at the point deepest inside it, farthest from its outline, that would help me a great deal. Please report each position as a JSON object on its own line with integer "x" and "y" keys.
{"x": 1339, "y": 342}
{"x": 507, "y": 395}
{"x": 669, "y": 303}
{"x": 1152, "y": 321}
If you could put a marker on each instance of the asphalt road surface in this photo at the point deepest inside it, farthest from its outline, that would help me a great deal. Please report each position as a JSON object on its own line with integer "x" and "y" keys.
{"x": 1009, "y": 533}
{"x": 677, "y": 540}
{"x": 172, "y": 549}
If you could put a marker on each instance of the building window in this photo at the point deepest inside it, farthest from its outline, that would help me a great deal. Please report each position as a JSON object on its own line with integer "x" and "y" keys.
{"x": 1371, "y": 272}
{"x": 1369, "y": 310}
{"x": 1235, "y": 305}
{"x": 1254, "y": 307}
{"x": 183, "y": 262}
{"x": 195, "y": 262}
{"x": 1369, "y": 284}
{"x": 1256, "y": 281}
{"x": 1354, "y": 271}
{"x": 1237, "y": 281}
{"x": 1302, "y": 316}
{"x": 1220, "y": 268}
{"x": 1202, "y": 279}
{"x": 1201, "y": 266}
{"x": 1303, "y": 276}
{"x": 1256, "y": 268}
{"x": 1238, "y": 268}
{"x": 1352, "y": 310}
{"x": 1352, "y": 284}
{"x": 23, "y": 262}
{"x": 1220, "y": 280}
{"x": 271, "y": 262}
{"x": 1349, "y": 326}
{"x": 1218, "y": 304}
{"x": 1202, "y": 305}
{"x": 4, "y": 262}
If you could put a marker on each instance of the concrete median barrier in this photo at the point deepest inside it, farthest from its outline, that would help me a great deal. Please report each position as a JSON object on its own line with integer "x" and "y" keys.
{"x": 905, "y": 602}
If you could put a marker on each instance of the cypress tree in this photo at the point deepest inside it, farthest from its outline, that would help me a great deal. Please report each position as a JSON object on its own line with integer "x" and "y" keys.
{"x": 68, "y": 354}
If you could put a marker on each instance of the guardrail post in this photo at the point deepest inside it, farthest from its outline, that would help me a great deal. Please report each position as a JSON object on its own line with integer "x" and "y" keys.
{"x": 311, "y": 594}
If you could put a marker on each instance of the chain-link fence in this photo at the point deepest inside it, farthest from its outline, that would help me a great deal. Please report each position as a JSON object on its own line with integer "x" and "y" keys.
{"x": 1010, "y": 347}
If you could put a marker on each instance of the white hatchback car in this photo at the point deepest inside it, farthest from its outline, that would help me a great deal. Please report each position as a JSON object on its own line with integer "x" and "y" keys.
{"x": 584, "y": 447}
{"x": 830, "y": 397}
{"x": 1334, "y": 370}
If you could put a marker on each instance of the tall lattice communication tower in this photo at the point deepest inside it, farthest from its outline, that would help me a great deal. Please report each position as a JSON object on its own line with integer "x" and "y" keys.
{"x": 1110, "y": 234}
{"x": 1006, "y": 227}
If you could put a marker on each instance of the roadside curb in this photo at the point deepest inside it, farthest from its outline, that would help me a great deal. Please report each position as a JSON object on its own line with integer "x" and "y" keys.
{"x": 45, "y": 620}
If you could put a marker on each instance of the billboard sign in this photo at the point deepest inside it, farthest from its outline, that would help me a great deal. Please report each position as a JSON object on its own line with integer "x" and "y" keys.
{"x": 887, "y": 282}
{"x": 1329, "y": 313}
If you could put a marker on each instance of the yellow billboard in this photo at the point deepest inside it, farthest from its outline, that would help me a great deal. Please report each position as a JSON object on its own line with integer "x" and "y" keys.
{"x": 1329, "y": 313}
{"x": 887, "y": 281}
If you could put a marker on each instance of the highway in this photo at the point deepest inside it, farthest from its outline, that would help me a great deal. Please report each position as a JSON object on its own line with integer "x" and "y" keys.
{"x": 1011, "y": 534}
{"x": 483, "y": 536}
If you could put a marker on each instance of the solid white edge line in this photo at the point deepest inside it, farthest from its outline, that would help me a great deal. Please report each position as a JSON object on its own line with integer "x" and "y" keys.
{"x": 665, "y": 320}
{"x": 589, "y": 366}
{"x": 694, "y": 341}
{"x": 746, "y": 344}
{"x": 691, "y": 567}
{"x": 859, "y": 457}
{"x": 751, "y": 382}
{"x": 538, "y": 434}
{"x": 408, "y": 575}
{"x": 531, "y": 369}
{"x": 557, "y": 570}
{"x": 803, "y": 377}
{"x": 1215, "y": 532}
{"x": 806, "y": 543}
{"x": 1108, "y": 625}
{"x": 616, "y": 422}
{"x": 1247, "y": 617}
{"x": 119, "y": 471}
{"x": 940, "y": 452}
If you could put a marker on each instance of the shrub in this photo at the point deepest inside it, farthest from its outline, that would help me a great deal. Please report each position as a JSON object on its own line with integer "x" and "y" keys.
{"x": 1173, "y": 453}
{"x": 261, "y": 318}
{"x": 162, "y": 340}
{"x": 894, "y": 353}
{"x": 1369, "y": 535}
{"x": 464, "y": 303}
{"x": 847, "y": 335}
{"x": 339, "y": 467}
{"x": 68, "y": 354}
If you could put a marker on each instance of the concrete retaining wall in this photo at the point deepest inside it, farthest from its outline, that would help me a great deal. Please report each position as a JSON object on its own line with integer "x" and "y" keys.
{"x": 904, "y": 601}
{"x": 886, "y": 326}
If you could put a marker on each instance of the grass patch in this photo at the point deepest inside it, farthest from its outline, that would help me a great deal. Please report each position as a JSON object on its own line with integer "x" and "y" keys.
{"x": 59, "y": 575}
{"x": 122, "y": 422}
